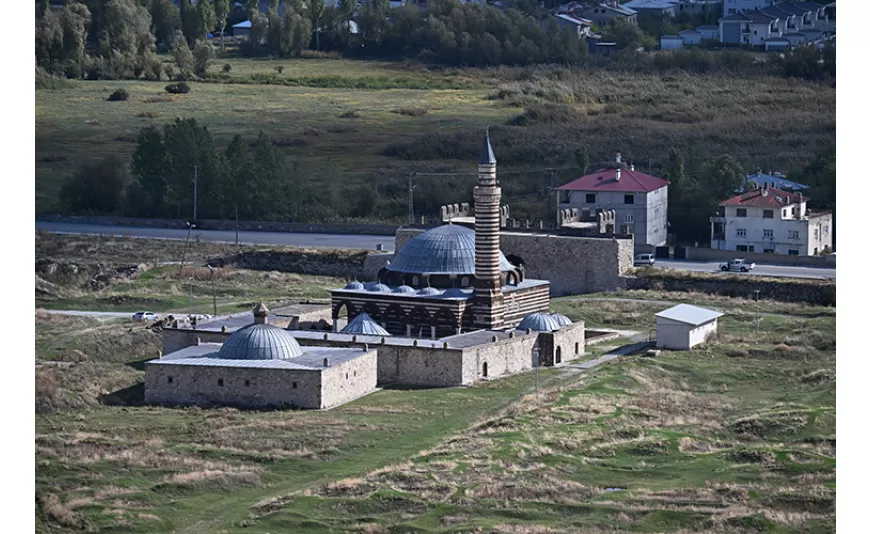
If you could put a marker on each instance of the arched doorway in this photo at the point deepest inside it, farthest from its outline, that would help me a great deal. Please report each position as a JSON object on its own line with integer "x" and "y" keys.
{"x": 485, "y": 369}
{"x": 342, "y": 314}
{"x": 558, "y": 355}
{"x": 395, "y": 320}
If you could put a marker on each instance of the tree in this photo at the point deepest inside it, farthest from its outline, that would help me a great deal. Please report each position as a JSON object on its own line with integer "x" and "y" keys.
{"x": 722, "y": 176}
{"x": 221, "y": 12}
{"x": 165, "y": 18}
{"x": 126, "y": 41}
{"x": 96, "y": 187}
{"x": 149, "y": 169}
{"x": 43, "y": 7}
{"x": 205, "y": 19}
{"x": 299, "y": 33}
{"x": 581, "y": 155}
{"x": 315, "y": 11}
{"x": 252, "y": 7}
{"x": 276, "y": 39}
{"x": 202, "y": 55}
{"x": 182, "y": 55}
{"x": 345, "y": 16}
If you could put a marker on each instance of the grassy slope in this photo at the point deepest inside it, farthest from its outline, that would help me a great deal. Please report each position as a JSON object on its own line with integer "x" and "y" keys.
{"x": 764, "y": 121}
{"x": 756, "y": 453}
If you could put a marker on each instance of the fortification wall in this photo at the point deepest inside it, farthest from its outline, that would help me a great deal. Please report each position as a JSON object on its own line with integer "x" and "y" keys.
{"x": 816, "y": 292}
{"x": 244, "y": 387}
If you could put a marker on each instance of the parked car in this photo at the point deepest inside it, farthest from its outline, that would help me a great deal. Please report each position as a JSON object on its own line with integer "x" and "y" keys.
{"x": 737, "y": 264}
{"x": 144, "y": 316}
{"x": 644, "y": 259}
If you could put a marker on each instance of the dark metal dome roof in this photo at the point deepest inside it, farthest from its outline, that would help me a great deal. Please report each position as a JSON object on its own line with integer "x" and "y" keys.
{"x": 365, "y": 325}
{"x": 354, "y": 285}
{"x": 539, "y": 322}
{"x": 563, "y": 320}
{"x": 428, "y": 292}
{"x": 379, "y": 287}
{"x": 260, "y": 342}
{"x": 456, "y": 293}
{"x": 447, "y": 249}
{"x": 407, "y": 290}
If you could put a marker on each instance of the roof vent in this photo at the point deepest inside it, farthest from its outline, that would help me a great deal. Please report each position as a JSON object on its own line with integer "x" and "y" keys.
{"x": 618, "y": 157}
{"x": 618, "y": 174}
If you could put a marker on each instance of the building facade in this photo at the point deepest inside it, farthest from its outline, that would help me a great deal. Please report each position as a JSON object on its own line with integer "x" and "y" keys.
{"x": 602, "y": 13}
{"x": 773, "y": 221}
{"x": 640, "y": 201}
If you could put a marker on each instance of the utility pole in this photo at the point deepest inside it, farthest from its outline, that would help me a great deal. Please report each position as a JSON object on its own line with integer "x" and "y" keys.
{"x": 548, "y": 191}
{"x": 194, "y": 192}
{"x": 237, "y": 225}
{"x": 411, "y": 187}
{"x": 213, "y": 296}
{"x": 190, "y": 297}
{"x": 186, "y": 241}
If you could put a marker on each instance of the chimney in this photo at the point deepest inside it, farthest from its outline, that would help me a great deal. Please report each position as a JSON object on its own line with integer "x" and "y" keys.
{"x": 618, "y": 174}
{"x": 261, "y": 314}
{"x": 618, "y": 157}
{"x": 632, "y": 166}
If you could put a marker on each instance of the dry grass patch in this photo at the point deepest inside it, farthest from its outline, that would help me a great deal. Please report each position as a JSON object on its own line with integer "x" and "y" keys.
{"x": 346, "y": 488}
{"x": 543, "y": 488}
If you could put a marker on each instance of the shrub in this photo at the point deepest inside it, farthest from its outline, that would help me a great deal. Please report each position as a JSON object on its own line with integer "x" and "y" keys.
{"x": 411, "y": 112}
{"x": 546, "y": 114}
{"x": 118, "y": 95}
{"x": 227, "y": 67}
{"x": 147, "y": 114}
{"x": 280, "y": 69}
{"x": 178, "y": 88}
{"x": 350, "y": 115}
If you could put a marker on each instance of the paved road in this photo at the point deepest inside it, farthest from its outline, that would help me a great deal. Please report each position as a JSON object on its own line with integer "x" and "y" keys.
{"x": 760, "y": 270}
{"x": 96, "y": 314}
{"x": 228, "y": 236}
{"x": 370, "y": 242}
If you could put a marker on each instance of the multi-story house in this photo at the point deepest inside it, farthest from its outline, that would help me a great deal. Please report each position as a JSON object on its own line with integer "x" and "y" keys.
{"x": 751, "y": 28}
{"x": 640, "y": 201}
{"x": 732, "y": 7}
{"x": 602, "y": 13}
{"x": 773, "y": 221}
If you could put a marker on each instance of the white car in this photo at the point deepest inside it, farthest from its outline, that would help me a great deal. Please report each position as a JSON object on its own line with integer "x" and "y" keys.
{"x": 737, "y": 264}
{"x": 144, "y": 316}
{"x": 644, "y": 259}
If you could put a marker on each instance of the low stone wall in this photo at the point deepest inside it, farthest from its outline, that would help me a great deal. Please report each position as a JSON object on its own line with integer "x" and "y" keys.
{"x": 245, "y": 226}
{"x": 821, "y": 293}
{"x": 712, "y": 254}
{"x": 594, "y": 337}
{"x": 346, "y": 264}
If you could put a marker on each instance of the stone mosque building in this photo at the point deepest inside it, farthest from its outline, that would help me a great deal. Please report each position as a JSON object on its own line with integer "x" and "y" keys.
{"x": 450, "y": 310}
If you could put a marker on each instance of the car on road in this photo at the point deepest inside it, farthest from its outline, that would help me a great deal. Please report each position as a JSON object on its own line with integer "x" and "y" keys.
{"x": 144, "y": 316}
{"x": 644, "y": 259}
{"x": 737, "y": 264}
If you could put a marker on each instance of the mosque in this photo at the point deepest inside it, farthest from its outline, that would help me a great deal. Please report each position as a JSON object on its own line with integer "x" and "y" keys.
{"x": 450, "y": 310}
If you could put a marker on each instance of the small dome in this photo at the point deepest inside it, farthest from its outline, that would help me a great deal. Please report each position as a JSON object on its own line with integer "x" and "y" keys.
{"x": 260, "y": 342}
{"x": 379, "y": 287}
{"x": 446, "y": 249}
{"x": 455, "y": 293}
{"x": 428, "y": 292}
{"x": 563, "y": 320}
{"x": 354, "y": 285}
{"x": 539, "y": 322}
{"x": 365, "y": 325}
{"x": 407, "y": 290}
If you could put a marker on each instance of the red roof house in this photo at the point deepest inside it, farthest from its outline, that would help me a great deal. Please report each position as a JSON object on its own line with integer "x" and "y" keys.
{"x": 767, "y": 197}
{"x": 619, "y": 180}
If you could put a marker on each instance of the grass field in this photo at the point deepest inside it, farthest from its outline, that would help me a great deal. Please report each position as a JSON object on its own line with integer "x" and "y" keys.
{"x": 343, "y": 113}
{"x": 737, "y": 436}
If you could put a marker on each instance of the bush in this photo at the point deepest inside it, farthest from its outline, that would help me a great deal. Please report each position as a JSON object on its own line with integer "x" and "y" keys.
{"x": 350, "y": 115}
{"x": 280, "y": 69}
{"x": 227, "y": 67}
{"x": 179, "y": 88}
{"x": 411, "y": 112}
{"x": 118, "y": 95}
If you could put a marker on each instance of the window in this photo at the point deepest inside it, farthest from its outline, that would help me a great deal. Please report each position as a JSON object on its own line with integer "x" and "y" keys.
{"x": 751, "y": 248}
{"x": 768, "y": 214}
{"x": 785, "y": 213}
{"x": 346, "y": 376}
{"x": 741, "y": 248}
{"x": 295, "y": 385}
{"x": 629, "y": 199}
{"x": 247, "y": 383}
{"x": 220, "y": 381}
{"x": 741, "y": 212}
{"x": 793, "y": 252}
{"x": 815, "y": 233}
{"x": 629, "y": 219}
{"x": 741, "y": 232}
{"x": 768, "y": 251}
{"x": 168, "y": 379}
{"x": 794, "y": 234}
{"x": 590, "y": 198}
{"x": 826, "y": 230}
{"x": 768, "y": 234}
{"x": 792, "y": 211}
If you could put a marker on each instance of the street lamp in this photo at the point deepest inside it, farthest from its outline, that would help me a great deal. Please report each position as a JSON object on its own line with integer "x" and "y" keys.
{"x": 757, "y": 291}
{"x": 537, "y": 362}
{"x": 213, "y": 297}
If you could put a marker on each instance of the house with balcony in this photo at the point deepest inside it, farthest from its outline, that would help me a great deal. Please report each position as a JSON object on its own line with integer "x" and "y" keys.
{"x": 733, "y": 7}
{"x": 639, "y": 202}
{"x": 771, "y": 220}
{"x": 751, "y": 28}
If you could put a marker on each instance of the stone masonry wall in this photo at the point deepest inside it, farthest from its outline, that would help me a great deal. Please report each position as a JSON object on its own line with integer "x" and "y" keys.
{"x": 816, "y": 292}
{"x": 349, "y": 380}
{"x": 569, "y": 342}
{"x": 502, "y": 358}
{"x": 573, "y": 265}
{"x": 245, "y": 387}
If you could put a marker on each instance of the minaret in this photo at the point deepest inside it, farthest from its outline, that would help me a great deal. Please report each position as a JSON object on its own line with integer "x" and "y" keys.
{"x": 488, "y": 307}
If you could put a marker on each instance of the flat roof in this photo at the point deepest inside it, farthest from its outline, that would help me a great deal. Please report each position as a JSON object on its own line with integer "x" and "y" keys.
{"x": 478, "y": 337}
{"x": 310, "y": 360}
{"x": 468, "y": 292}
{"x": 234, "y": 321}
{"x": 686, "y": 313}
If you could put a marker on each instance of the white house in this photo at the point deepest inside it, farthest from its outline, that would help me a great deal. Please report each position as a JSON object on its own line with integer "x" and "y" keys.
{"x": 671, "y": 42}
{"x": 732, "y": 7}
{"x": 709, "y": 33}
{"x": 773, "y": 221}
{"x": 684, "y": 326}
{"x": 664, "y": 8}
{"x": 574, "y": 23}
{"x": 691, "y": 37}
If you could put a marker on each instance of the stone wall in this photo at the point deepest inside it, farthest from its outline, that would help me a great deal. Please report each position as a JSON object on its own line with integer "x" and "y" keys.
{"x": 245, "y": 226}
{"x": 572, "y": 265}
{"x": 569, "y": 343}
{"x": 712, "y": 254}
{"x": 349, "y": 380}
{"x": 244, "y": 387}
{"x": 345, "y": 264}
{"x": 816, "y": 292}
{"x": 502, "y": 358}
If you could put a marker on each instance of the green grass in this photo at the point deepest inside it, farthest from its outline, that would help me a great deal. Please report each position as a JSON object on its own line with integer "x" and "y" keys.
{"x": 302, "y": 108}
{"x": 737, "y": 434}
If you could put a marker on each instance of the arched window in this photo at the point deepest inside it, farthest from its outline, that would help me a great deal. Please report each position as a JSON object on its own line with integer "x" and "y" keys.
{"x": 464, "y": 281}
{"x": 485, "y": 369}
{"x": 558, "y": 354}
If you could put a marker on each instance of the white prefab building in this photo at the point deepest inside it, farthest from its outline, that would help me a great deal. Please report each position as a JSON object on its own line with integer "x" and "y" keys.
{"x": 684, "y": 326}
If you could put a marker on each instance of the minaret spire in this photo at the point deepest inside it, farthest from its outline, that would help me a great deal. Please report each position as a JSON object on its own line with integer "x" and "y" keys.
{"x": 488, "y": 307}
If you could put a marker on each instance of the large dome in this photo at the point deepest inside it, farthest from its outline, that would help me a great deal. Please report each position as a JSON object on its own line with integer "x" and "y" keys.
{"x": 260, "y": 342}
{"x": 539, "y": 322}
{"x": 447, "y": 249}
